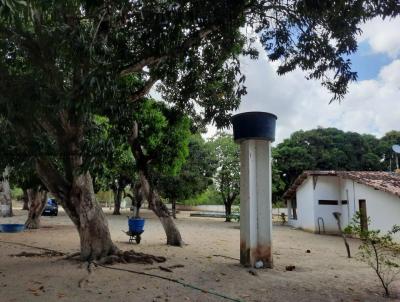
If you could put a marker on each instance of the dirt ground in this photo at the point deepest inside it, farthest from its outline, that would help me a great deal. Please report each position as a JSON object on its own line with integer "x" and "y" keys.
{"x": 325, "y": 274}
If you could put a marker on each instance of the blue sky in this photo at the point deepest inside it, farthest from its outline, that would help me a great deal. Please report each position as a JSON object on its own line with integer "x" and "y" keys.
{"x": 367, "y": 63}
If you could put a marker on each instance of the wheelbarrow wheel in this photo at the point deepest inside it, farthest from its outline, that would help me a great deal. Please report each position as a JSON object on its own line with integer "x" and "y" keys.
{"x": 138, "y": 239}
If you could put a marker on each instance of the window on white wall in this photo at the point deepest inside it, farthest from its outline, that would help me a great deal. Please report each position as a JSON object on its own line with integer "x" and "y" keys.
{"x": 328, "y": 202}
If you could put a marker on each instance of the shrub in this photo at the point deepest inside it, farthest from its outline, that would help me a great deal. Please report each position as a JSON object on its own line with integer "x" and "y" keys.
{"x": 379, "y": 251}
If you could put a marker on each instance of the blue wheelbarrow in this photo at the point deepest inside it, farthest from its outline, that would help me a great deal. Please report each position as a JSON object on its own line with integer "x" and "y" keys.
{"x": 136, "y": 228}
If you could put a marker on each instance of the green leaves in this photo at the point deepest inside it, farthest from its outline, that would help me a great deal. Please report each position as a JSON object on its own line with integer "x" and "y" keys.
{"x": 195, "y": 175}
{"x": 9, "y": 7}
{"x": 164, "y": 135}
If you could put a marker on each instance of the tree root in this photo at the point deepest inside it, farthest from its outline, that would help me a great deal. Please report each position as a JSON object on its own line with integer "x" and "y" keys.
{"x": 130, "y": 257}
{"x": 43, "y": 254}
{"x": 227, "y": 257}
{"x": 72, "y": 256}
{"x": 85, "y": 280}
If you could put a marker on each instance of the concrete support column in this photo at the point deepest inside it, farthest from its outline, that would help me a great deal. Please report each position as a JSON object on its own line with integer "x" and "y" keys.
{"x": 255, "y": 206}
{"x": 255, "y": 131}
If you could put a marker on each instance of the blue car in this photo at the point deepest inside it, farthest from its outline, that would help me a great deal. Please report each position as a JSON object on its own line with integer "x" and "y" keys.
{"x": 51, "y": 208}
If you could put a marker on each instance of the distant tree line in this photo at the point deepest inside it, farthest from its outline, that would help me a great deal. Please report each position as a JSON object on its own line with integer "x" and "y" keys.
{"x": 332, "y": 149}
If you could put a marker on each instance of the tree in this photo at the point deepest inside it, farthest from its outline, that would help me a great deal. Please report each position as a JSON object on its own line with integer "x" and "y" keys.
{"x": 325, "y": 149}
{"x": 385, "y": 149}
{"x": 117, "y": 173}
{"x": 227, "y": 178}
{"x": 194, "y": 177}
{"x": 23, "y": 175}
{"x": 61, "y": 62}
{"x": 159, "y": 143}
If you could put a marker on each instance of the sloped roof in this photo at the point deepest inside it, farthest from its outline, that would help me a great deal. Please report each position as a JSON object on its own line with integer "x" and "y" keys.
{"x": 383, "y": 181}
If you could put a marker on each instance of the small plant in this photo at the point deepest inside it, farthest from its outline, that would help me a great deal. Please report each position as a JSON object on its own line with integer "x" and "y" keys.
{"x": 235, "y": 214}
{"x": 379, "y": 251}
{"x": 279, "y": 204}
{"x": 283, "y": 218}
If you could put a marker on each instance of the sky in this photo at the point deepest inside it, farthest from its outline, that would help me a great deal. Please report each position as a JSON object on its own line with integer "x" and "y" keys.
{"x": 371, "y": 106}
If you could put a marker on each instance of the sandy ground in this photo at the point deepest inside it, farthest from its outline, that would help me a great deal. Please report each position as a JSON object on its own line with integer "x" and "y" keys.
{"x": 325, "y": 274}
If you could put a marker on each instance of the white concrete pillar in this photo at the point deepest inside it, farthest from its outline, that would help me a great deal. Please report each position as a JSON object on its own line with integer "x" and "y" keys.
{"x": 255, "y": 204}
{"x": 255, "y": 131}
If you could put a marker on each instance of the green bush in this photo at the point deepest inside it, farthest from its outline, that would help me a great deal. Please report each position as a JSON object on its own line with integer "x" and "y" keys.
{"x": 17, "y": 193}
{"x": 208, "y": 197}
{"x": 235, "y": 216}
{"x": 279, "y": 204}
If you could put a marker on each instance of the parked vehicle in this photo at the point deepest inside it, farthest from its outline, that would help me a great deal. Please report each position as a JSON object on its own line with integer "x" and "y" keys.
{"x": 51, "y": 207}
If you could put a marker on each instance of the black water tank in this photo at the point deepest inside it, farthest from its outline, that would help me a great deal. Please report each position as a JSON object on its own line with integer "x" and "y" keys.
{"x": 254, "y": 125}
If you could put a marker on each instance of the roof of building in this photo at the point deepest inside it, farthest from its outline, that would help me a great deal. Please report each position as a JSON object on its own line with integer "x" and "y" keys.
{"x": 384, "y": 181}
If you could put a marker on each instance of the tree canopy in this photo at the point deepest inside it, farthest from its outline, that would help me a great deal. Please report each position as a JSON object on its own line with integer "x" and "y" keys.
{"x": 64, "y": 62}
{"x": 195, "y": 176}
{"x": 332, "y": 149}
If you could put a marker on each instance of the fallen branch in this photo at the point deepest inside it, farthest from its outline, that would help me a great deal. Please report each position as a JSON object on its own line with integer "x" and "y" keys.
{"x": 168, "y": 267}
{"x": 165, "y": 269}
{"x": 43, "y": 254}
{"x": 227, "y": 257}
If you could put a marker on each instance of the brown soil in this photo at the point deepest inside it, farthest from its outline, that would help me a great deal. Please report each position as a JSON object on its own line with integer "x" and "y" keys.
{"x": 209, "y": 261}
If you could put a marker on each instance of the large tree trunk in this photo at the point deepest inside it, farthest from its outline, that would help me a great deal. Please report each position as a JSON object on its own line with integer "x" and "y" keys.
{"x": 78, "y": 201}
{"x": 139, "y": 198}
{"x": 117, "y": 201}
{"x": 37, "y": 200}
{"x": 92, "y": 227}
{"x": 5, "y": 195}
{"x": 160, "y": 209}
{"x": 25, "y": 199}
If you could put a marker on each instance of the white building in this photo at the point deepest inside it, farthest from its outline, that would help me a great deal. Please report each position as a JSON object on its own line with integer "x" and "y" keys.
{"x": 315, "y": 195}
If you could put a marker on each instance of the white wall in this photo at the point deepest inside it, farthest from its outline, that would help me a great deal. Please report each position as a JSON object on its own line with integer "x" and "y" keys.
{"x": 305, "y": 206}
{"x": 382, "y": 208}
{"x": 348, "y": 189}
{"x": 327, "y": 188}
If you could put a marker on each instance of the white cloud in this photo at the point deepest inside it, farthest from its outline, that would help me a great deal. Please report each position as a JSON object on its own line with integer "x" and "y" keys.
{"x": 383, "y": 36}
{"x": 371, "y": 106}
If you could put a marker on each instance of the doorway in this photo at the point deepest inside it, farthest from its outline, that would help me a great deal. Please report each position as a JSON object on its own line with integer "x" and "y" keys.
{"x": 363, "y": 214}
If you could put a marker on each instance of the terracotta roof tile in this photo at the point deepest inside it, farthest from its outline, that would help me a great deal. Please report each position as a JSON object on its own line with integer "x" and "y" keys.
{"x": 383, "y": 181}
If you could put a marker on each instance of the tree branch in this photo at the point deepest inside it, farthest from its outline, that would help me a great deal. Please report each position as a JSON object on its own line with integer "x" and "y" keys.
{"x": 151, "y": 60}
{"x": 144, "y": 90}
